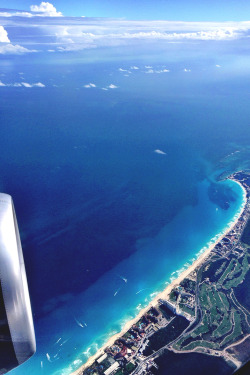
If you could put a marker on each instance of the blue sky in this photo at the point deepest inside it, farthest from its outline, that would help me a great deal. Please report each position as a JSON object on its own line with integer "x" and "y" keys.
{"x": 185, "y": 10}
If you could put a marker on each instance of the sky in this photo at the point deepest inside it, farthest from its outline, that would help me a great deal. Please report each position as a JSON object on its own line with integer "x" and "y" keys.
{"x": 140, "y": 32}
{"x": 185, "y": 10}
{"x": 39, "y": 28}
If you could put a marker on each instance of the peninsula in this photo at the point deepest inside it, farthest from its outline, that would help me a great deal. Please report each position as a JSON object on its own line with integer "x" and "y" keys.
{"x": 205, "y": 310}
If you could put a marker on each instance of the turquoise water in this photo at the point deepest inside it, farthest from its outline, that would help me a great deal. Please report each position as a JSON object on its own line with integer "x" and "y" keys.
{"x": 106, "y": 222}
{"x": 155, "y": 263}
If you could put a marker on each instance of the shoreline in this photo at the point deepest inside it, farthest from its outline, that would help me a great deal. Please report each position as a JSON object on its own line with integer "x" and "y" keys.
{"x": 165, "y": 293}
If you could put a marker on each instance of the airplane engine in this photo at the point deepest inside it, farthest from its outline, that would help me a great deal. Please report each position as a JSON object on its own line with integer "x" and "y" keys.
{"x": 17, "y": 336}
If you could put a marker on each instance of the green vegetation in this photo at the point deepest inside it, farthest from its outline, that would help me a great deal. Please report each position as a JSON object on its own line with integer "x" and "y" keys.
{"x": 202, "y": 328}
{"x": 211, "y": 302}
{"x": 217, "y": 317}
{"x": 237, "y": 331}
{"x": 237, "y": 280}
{"x": 173, "y": 295}
{"x": 186, "y": 309}
{"x": 202, "y": 343}
{"x": 130, "y": 367}
{"x": 224, "y": 300}
{"x": 221, "y": 269}
{"x": 188, "y": 285}
{"x": 227, "y": 272}
{"x": 237, "y": 267}
{"x": 224, "y": 327}
{"x": 203, "y": 297}
{"x": 214, "y": 307}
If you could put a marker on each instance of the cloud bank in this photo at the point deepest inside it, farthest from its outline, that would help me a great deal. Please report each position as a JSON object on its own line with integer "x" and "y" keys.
{"x": 6, "y": 48}
{"x": 46, "y": 26}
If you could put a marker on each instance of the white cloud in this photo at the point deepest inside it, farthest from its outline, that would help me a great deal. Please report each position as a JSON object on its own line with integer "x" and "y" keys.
{"x": 125, "y": 71}
{"x": 148, "y": 67}
{"x": 152, "y": 71}
{"x": 23, "y": 84}
{"x": 95, "y": 33}
{"x": 88, "y": 86}
{"x": 160, "y": 152}
{"x": 134, "y": 67}
{"x": 38, "y": 84}
{"x": 218, "y": 66}
{"x": 111, "y": 86}
{"x": 104, "y": 88}
{"x": 186, "y": 70}
{"x": 3, "y": 35}
{"x": 46, "y": 9}
{"x": 29, "y": 85}
{"x": 11, "y": 49}
{"x": 217, "y": 34}
{"x": 16, "y": 14}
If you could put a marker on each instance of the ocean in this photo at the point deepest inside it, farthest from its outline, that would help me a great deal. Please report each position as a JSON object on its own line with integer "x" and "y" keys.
{"x": 116, "y": 191}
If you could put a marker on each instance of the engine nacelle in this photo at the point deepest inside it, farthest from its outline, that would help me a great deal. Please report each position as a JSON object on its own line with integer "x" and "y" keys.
{"x": 17, "y": 336}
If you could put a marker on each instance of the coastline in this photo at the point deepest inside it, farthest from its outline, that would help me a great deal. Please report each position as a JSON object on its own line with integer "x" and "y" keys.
{"x": 165, "y": 293}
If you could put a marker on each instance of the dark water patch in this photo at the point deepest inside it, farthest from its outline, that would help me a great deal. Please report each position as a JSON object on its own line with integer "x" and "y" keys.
{"x": 166, "y": 311}
{"x": 246, "y": 234}
{"x": 165, "y": 335}
{"x": 242, "y": 292}
{"x": 189, "y": 364}
{"x": 241, "y": 351}
{"x": 245, "y": 370}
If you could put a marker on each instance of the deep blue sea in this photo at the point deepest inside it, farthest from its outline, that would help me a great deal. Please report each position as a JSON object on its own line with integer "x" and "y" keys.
{"x": 106, "y": 220}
